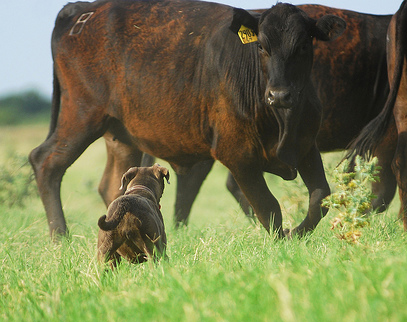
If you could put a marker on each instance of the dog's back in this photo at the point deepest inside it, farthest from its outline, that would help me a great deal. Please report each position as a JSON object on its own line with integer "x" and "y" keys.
{"x": 134, "y": 227}
{"x": 135, "y": 224}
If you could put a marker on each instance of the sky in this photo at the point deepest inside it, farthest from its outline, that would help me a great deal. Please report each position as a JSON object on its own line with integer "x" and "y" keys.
{"x": 26, "y": 27}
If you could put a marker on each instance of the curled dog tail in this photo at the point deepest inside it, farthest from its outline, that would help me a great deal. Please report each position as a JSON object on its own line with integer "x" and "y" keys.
{"x": 107, "y": 225}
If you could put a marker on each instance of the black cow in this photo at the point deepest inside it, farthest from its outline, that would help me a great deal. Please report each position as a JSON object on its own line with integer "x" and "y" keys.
{"x": 389, "y": 128}
{"x": 174, "y": 80}
{"x": 352, "y": 86}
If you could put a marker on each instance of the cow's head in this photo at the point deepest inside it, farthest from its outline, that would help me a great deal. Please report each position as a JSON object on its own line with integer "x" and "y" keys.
{"x": 284, "y": 38}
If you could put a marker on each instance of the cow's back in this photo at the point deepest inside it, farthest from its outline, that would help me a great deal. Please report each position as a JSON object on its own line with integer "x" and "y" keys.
{"x": 350, "y": 75}
{"x": 142, "y": 63}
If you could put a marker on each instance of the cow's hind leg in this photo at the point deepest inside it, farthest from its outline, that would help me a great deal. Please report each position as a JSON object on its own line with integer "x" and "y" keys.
{"x": 51, "y": 159}
{"x": 400, "y": 171}
{"x": 147, "y": 160}
{"x": 385, "y": 188}
{"x": 188, "y": 186}
{"x": 120, "y": 157}
{"x": 234, "y": 189}
{"x": 399, "y": 163}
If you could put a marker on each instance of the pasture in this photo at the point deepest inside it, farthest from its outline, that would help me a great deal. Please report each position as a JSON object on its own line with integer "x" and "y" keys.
{"x": 221, "y": 267}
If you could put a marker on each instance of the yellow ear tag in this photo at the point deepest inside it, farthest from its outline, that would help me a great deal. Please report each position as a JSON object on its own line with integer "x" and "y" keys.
{"x": 246, "y": 35}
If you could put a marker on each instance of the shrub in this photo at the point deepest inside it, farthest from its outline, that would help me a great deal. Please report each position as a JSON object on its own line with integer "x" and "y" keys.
{"x": 16, "y": 181}
{"x": 352, "y": 199}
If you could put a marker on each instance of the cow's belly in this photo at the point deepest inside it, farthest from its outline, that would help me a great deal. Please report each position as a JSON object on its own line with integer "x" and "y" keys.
{"x": 181, "y": 144}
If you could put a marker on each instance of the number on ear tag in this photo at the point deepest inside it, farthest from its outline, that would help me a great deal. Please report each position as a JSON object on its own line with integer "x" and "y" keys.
{"x": 246, "y": 35}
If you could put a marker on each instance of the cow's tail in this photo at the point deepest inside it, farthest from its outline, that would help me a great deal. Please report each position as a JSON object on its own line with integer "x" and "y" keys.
{"x": 64, "y": 19}
{"x": 56, "y": 105}
{"x": 371, "y": 135}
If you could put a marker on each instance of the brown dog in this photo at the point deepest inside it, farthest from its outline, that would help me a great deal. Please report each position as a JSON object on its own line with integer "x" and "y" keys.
{"x": 133, "y": 227}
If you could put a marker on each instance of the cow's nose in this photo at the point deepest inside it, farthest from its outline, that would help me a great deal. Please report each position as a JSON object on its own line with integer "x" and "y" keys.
{"x": 280, "y": 98}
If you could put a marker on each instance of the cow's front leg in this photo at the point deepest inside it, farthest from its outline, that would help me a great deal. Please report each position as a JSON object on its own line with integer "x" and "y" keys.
{"x": 265, "y": 205}
{"x": 312, "y": 172}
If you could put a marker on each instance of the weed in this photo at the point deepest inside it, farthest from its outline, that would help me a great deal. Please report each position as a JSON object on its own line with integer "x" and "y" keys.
{"x": 16, "y": 181}
{"x": 352, "y": 199}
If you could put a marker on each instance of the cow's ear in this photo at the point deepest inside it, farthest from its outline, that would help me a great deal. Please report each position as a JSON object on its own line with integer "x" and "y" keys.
{"x": 243, "y": 18}
{"x": 329, "y": 27}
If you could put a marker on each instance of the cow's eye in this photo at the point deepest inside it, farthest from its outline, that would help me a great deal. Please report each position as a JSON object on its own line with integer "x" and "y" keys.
{"x": 260, "y": 47}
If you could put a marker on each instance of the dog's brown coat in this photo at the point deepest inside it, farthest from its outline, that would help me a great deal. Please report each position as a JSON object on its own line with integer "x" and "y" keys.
{"x": 134, "y": 227}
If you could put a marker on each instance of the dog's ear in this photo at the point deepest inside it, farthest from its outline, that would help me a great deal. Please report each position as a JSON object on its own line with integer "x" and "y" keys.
{"x": 161, "y": 172}
{"x": 127, "y": 177}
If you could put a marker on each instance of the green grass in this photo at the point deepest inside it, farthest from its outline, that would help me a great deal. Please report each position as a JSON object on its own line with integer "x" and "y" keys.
{"x": 221, "y": 268}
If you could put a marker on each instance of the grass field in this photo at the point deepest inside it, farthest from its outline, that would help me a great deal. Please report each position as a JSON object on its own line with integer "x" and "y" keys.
{"x": 221, "y": 268}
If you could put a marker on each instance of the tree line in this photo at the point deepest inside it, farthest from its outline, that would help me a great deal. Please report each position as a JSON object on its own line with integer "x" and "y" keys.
{"x": 24, "y": 108}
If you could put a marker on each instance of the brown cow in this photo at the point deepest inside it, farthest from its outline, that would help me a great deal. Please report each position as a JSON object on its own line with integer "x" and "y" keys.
{"x": 379, "y": 132}
{"x": 173, "y": 79}
{"x": 352, "y": 87}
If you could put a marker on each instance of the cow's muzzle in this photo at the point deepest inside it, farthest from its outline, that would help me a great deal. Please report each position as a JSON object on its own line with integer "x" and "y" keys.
{"x": 280, "y": 98}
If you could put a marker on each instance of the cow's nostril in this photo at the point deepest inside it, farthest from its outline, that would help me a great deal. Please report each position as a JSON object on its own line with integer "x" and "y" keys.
{"x": 270, "y": 98}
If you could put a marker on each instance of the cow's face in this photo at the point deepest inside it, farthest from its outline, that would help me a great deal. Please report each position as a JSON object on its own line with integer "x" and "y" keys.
{"x": 285, "y": 48}
{"x": 284, "y": 37}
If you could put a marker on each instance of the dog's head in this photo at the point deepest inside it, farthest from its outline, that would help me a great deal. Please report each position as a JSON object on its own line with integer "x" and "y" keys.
{"x": 151, "y": 177}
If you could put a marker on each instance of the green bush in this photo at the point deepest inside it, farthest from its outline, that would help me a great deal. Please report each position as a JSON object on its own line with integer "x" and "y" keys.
{"x": 353, "y": 197}
{"x": 16, "y": 181}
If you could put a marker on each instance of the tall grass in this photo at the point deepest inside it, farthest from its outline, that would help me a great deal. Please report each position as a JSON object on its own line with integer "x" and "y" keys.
{"x": 221, "y": 267}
